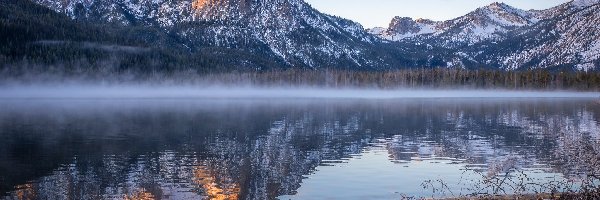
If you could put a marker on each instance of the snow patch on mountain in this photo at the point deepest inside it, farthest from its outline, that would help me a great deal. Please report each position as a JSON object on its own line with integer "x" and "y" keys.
{"x": 486, "y": 23}
{"x": 584, "y": 3}
{"x": 292, "y": 32}
{"x": 291, "y": 29}
{"x": 500, "y": 35}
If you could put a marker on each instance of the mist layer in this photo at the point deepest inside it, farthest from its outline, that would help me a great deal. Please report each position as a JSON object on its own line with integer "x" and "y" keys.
{"x": 110, "y": 92}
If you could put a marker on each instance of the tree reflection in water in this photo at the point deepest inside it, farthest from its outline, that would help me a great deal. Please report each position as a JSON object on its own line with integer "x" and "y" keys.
{"x": 176, "y": 149}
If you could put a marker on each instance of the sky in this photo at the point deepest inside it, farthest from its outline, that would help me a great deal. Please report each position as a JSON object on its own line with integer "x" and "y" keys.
{"x": 379, "y": 13}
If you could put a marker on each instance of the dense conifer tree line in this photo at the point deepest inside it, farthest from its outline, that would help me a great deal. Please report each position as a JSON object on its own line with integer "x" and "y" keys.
{"x": 414, "y": 78}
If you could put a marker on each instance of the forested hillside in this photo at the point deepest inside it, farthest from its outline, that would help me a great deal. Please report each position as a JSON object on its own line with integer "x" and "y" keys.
{"x": 37, "y": 40}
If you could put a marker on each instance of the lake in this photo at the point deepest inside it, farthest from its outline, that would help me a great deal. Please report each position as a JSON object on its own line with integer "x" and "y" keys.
{"x": 286, "y": 148}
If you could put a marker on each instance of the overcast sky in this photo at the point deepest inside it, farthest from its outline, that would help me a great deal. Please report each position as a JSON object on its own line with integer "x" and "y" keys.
{"x": 372, "y": 13}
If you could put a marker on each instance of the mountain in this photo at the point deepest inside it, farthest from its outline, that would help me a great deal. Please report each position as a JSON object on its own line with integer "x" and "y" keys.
{"x": 501, "y": 36}
{"x": 570, "y": 39}
{"x": 37, "y": 41}
{"x": 290, "y": 31}
{"x": 405, "y": 27}
{"x": 486, "y": 23}
{"x": 129, "y": 36}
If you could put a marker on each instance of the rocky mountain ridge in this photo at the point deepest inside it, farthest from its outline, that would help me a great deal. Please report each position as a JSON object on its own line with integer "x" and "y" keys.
{"x": 501, "y": 36}
{"x": 289, "y": 30}
{"x": 293, "y": 34}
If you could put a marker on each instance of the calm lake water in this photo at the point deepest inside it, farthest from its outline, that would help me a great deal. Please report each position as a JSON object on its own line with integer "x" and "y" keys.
{"x": 286, "y": 149}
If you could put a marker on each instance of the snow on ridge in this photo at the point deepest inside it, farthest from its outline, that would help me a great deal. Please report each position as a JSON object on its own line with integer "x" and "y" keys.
{"x": 482, "y": 24}
{"x": 270, "y": 22}
{"x": 584, "y": 3}
{"x": 376, "y": 30}
{"x": 404, "y": 27}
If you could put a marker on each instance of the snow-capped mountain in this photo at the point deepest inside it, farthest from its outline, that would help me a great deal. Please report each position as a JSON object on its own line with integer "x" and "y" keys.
{"x": 501, "y": 36}
{"x": 489, "y": 22}
{"x": 289, "y": 30}
{"x": 570, "y": 39}
{"x": 290, "y": 33}
{"x": 405, "y": 27}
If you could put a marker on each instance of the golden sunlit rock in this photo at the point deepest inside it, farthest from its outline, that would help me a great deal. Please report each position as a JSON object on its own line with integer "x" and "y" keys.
{"x": 199, "y": 4}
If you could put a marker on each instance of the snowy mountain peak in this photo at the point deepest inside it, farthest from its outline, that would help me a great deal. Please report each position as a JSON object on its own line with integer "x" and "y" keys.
{"x": 405, "y": 27}
{"x": 403, "y": 24}
{"x": 497, "y": 5}
{"x": 482, "y": 24}
{"x": 505, "y": 15}
{"x": 425, "y": 21}
{"x": 565, "y": 36}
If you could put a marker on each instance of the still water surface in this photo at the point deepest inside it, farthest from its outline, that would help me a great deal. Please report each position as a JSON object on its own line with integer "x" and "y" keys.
{"x": 286, "y": 149}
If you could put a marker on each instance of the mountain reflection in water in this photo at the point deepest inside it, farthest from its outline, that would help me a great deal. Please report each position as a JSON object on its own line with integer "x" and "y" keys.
{"x": 263, "y": 149}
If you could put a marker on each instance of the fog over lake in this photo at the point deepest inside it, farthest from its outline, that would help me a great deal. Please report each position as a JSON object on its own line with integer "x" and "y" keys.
{"x": 154, "y": 91}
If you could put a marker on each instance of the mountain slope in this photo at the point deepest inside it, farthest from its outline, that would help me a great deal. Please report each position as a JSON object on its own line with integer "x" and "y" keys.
{"x": 35, "y": 40}
{"x": 289, "y": 30}
{"x": 500, "y": 36}
{"x": 486, "y": 23}
{"x": 202, "y": 35}
{"x": 569, "y": 39}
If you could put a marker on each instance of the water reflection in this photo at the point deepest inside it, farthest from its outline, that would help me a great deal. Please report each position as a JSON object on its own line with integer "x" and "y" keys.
{"x": 184, "y": 149}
